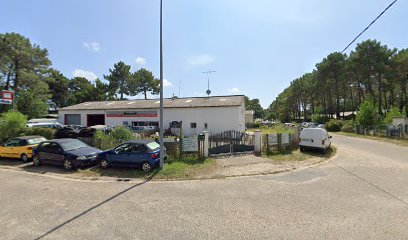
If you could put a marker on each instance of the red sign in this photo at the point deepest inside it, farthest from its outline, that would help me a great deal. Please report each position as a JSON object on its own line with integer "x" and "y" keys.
{"x": 7, "y": 95}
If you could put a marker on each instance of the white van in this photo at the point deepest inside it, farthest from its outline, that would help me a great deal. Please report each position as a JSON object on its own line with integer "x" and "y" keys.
{"x": 314, "y": 138}
{"x": 42, "y": 120}
{"x": 45, "y": 125}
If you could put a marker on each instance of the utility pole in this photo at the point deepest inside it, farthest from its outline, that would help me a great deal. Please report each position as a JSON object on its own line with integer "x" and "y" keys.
{"x": 161, "y": 88}
{"x": 208, "y": 81}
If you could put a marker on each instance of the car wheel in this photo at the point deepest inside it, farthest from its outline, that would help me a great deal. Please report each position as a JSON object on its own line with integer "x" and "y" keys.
{"x": 68, "y": 165}
{"x": 324, "y": 150}
{"x": 24, "y": 157}
{"x": 104, "y": 163}
{"x": 146, "y": 167}
{"x": 36, "y": 160}
{"x": 302, "y": 149}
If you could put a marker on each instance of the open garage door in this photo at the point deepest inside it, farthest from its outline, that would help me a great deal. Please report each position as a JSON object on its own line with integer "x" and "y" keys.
{"x": 72, "y": 119}
{"x": 95, "y": 119}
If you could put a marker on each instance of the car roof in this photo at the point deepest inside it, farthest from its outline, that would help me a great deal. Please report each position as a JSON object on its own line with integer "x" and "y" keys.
{"x": 314, "y": 129}
{"x": 28, "y": 137}
{"x": 143, "y": 141}
{"x": 63, "y": 140}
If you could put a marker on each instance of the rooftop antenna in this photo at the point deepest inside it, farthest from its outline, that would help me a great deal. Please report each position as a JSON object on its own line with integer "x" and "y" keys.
{"x": 208, "y": 81}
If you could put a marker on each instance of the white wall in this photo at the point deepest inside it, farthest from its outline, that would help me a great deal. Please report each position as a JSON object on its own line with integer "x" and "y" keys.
{"x": 218, "y": 118}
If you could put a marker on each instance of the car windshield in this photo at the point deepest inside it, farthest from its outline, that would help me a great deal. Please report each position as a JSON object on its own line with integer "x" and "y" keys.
{"x": 33, "y": 141}
{"x": 153, "y": 145}
{"x": 72, "y": 145}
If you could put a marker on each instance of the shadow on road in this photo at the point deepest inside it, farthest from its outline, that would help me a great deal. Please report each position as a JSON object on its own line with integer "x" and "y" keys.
{"x": 96, "y": 206}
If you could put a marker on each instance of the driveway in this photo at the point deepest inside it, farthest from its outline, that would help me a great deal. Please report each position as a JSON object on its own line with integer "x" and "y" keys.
{"x": 361, "y": 194}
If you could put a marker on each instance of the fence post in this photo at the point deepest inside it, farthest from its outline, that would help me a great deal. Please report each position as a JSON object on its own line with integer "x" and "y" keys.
{"x": 258, "y": 141}
{"x": 280, "y": 142}
{"x": 206, "y": 143}
{"x": 267, "y": 143}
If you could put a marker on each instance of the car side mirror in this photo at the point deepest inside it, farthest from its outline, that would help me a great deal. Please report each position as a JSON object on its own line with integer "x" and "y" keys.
{"x": 330, "y": 136}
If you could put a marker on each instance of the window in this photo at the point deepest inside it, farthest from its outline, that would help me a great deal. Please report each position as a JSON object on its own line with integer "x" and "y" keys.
{"x": 205, "y": 125}
{"x": 193, "y": 125}
{"x": 12, "y": 143}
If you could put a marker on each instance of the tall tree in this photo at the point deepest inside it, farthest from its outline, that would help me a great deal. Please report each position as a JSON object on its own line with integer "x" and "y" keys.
{"x": 119, "y": 79}
{"x": 22, "y": 63}
{"x": 58, "y": 85}
{"x": 81, "y": 90}
{"x": 143, "y": 81}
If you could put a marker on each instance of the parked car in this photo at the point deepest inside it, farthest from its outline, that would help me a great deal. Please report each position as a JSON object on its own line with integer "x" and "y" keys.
{"x": 321, "y": 126}
{"x": 69, "y": 153}
{"x": 135, "y": 153}
{"x": 45, "y": 125}
{"x": 42, "y": 120}
{"x": 314, "y": 138}
{"x": 66, "y": 132}
{"x": 20, "y": 147}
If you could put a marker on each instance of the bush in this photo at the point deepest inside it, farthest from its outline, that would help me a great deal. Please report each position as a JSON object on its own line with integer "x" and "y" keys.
{"x": 12, "y": 123}
{"x": 347, "y": 128}
{"x": 121, "y": 133}
{"x": 105, "y": 141}
{"x": 48, "y": 133}
{"x": 394, "y": 112}
{"x": 367, "y": 115}
{"x": 334, "y": 125}
{"x": 319, "y": 118}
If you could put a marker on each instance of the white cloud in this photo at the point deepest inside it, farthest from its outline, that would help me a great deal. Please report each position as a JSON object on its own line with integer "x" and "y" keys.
{"x": 94, "y": 46}
{"x": 203, "y": 59}
{"x": 140, "y": 61}
{"x": 234, "y": 90}
{"x": 91, "y": 76}
{"x": 167, "y": 83}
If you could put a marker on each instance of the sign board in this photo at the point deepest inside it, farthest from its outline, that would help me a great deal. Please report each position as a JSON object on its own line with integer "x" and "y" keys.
{"x": 6, "y": 97}
{"x": 140, "y": 114}
{"x": 6, "y": 101}
{"x": 272, "y": 139}
{"x": 285, "y": 138}
{"x": 189, "y": 144}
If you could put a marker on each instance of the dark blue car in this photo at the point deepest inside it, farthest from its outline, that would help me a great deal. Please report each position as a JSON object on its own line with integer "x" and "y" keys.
{"x": 138, "y": 153}
{"x": 67, "y": 152}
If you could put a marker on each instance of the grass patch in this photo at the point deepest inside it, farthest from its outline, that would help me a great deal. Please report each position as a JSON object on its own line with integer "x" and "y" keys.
{"x": 297, "y": 155}
{"x": 400, "y": 142}
{"x": 274, "y": 129}
{"x": 188, "y": 168}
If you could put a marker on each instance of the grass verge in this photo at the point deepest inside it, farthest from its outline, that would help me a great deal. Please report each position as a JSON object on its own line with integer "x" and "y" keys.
{"x": 188, "y": 168}
{"x": 400, "y": 142}
{"x": 297, "y": 155}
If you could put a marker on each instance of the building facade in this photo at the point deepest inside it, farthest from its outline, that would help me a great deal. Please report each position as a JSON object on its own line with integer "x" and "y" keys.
{"x": 214, "y": 114}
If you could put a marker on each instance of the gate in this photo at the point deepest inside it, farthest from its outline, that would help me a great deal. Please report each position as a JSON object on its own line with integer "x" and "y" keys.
{"x": 230, "y": 142}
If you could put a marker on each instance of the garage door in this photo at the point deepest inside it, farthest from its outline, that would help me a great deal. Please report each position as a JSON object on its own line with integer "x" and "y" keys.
{"x": 73, "y": 119}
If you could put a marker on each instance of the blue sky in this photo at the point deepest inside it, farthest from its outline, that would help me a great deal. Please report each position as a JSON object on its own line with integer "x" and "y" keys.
{"x": 256, "y": 47}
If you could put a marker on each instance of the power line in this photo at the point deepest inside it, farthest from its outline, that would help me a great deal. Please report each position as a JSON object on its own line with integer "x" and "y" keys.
{"x": 361, "y": 33}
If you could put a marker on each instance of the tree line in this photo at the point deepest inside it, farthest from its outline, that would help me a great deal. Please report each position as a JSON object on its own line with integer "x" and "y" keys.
{"x": 342, "y": 82}
{"x": 26, "y": 69}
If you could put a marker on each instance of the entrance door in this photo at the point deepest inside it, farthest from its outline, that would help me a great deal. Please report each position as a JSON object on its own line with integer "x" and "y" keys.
{"x": 95, "y": 119}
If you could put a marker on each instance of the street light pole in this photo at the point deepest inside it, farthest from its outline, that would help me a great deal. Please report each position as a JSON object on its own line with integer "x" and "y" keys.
{"x": 161, "y": 88}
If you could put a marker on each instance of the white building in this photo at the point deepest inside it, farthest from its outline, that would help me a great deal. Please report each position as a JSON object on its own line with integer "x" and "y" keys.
{"x": 214, "y": 114}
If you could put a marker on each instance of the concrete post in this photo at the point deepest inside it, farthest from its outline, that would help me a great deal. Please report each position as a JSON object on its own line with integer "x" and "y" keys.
{"x": 206, "y": 144}
{"x": 258, "y": 142}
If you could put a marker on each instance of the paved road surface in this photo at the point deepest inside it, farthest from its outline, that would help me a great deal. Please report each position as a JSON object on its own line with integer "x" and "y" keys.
{"x": 361, "y": 194}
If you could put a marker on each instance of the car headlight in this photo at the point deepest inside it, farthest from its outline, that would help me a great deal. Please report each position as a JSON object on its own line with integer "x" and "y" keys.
{"x": 81, "y": 158}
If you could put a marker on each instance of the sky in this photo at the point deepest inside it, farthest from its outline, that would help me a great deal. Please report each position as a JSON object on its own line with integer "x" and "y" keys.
{"x": 256, "y": 47}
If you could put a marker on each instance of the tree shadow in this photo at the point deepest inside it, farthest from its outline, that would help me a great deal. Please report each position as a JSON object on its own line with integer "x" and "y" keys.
{"x": 12, "y": 162}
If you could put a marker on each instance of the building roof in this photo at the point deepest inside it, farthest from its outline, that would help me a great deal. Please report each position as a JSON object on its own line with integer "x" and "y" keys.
{"x": 192, "y": 102}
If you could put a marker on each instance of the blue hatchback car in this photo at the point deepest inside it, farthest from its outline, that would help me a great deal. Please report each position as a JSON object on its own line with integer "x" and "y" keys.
{"x": 138, "y": 153}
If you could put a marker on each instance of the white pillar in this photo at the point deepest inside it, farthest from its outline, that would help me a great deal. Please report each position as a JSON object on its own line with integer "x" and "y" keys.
{"x": 258, "y": 140}
{"x": 206, "y": 145}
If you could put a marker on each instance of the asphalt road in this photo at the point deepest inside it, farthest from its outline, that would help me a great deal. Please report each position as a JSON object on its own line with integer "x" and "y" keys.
{"x": 361, "y": 194}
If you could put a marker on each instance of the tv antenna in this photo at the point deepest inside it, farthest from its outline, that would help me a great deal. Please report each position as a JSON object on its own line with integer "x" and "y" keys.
{"x": 208, "y": 81}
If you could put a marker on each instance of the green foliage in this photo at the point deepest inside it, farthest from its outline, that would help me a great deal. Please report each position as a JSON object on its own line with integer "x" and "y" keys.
{"x": 367, "y": 116}
{"x": 118, "y": 135}
{"x": 319, "y": 118}
{"x": 48, "y": 133}
{"x": 119, "y": 79}
{"x": 122, "y": 133}
{"x": 334, "y": 125}
{"x": 12, "y": 124}
{"x": 143, "y": 81}
{"x": 348, "y": 127}
{"x": 255, "y": 105}
{"x": 394, "y": 112}
{"x": 31, "y": 105}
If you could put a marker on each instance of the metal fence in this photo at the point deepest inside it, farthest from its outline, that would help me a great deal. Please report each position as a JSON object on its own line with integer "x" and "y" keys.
{"x": 279, "y": 142}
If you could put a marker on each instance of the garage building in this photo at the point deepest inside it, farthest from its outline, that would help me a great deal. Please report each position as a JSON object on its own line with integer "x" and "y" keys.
{"x": 214, "y": 114}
